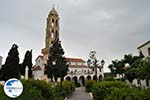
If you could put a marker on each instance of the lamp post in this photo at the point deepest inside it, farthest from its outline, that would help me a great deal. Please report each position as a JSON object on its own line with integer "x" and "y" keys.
{"x": 102, "y": 65}
{"x": 93, "y": 63}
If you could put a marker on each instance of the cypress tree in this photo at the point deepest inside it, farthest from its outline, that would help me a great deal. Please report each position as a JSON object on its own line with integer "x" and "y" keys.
{"x": 57, "y": 66}
{"x": 11, "y": 67}
{"x": 27, "y": 62}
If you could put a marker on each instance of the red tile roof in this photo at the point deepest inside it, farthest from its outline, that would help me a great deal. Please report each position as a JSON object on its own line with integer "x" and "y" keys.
{"x": 36, "y": 68}
{"x": 75, "y": 60}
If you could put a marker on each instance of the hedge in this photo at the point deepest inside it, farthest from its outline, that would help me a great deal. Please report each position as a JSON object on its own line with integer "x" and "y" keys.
{"x": 41, "y": 90}
{"x": 65, "y": 89}
{"x": 101, "y": 89}
{"x": 88, "y": 85}
{"x": 117, "y": 90}
{"x": 29, "y": 93}
{"x": 129, "y": 93}
{"x": 109, "y": 78}
{"x": 45, "y": 88}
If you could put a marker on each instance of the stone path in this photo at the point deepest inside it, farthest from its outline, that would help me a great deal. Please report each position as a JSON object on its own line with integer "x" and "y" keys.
{"x": 80, "y": 94}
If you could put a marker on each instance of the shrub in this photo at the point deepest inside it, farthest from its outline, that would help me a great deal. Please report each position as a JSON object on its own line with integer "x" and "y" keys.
{"x": 130, "y": 93}
{"x": 29, "y": 93}
{"x": 41, "y": 90}
{"x": 145, "y": 94}
{"x": 65, "y": 89}
{"x": 68, "y": 86}
{"x": 2, "y": 94}
{"x": 88, "y": 85}
{"x": 102, "y": 89}
{"x": 109, "y": 78}
{"x": 59, "y": 93}
{"x": 125, "y": 94}
{"x": 45, "y": 88}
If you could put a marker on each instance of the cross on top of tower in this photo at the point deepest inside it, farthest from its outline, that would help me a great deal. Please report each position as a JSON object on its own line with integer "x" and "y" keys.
{"x": 53, "y": 11}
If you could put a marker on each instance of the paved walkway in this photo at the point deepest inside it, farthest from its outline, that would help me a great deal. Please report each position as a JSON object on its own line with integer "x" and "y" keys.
{"x": 80, "y": 94}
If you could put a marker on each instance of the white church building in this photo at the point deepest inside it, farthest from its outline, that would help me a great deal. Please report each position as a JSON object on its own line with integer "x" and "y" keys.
{"x": 78, "y": 68}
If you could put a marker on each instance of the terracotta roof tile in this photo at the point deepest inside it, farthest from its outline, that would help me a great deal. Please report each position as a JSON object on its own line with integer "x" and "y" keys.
{"x": 75, "y": 60}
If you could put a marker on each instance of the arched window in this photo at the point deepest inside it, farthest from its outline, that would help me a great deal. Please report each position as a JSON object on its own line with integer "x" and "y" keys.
{"x": 52, "y": 34}
{"x": 52, "y": 22}
{"x": 56, "y": 23}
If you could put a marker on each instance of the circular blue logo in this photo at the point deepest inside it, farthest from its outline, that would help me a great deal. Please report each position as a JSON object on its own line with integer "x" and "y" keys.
{"x": 13, "y": 88}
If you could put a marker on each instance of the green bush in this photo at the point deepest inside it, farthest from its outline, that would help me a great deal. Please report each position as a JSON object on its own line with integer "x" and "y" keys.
{"x": 41, "y": 90}
{"x": 45, "y": 88}
{"x": 29, "y": 93}
{"x": 59, "y": 93}
{"x": 65, "y": 89}
{"x": 88, "y": 85}
{"x": 130, "y": 93}
{"x": 2, "y": 94}
{"x": 101, "y": 89}
{"x": 109, "y": 78}
{"x": 68, "y": 87}
{"x": 145, "y": 94}
{"x": 125, "y": 94}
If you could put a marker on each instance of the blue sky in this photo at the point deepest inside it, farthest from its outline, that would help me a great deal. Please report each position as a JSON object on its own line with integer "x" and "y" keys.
{"x": 110, "y": 27}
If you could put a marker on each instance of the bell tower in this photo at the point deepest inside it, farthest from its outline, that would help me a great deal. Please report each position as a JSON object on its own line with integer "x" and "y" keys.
{"x": 52, "y": 32}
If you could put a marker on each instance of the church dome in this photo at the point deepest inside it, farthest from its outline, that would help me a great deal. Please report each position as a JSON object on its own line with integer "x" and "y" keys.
{"x": 53, "y": 12}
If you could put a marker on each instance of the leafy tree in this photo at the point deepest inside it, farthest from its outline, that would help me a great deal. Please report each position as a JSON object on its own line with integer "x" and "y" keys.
{"x": 130, "y": 59}
{"x": 117, "y": 67}
{"x": 147, "y": 67}
{"x": 57, "y": 64}
{"x": 139, "y": 69}
{"x": 11, "y": 67}
{"x": 27, "y": 62}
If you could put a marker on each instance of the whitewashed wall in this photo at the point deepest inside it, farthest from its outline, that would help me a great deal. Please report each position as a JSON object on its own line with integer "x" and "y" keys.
{"x": 144, "y": 49}
{"x": 38, "y": 74}
{"x": 135, "y": 82}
